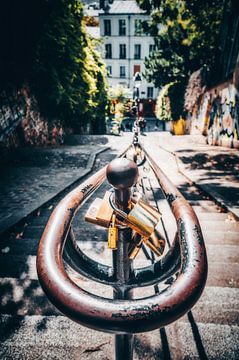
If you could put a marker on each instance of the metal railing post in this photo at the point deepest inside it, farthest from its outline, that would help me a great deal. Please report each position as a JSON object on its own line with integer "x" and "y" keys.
{"x": 122, "y": 175}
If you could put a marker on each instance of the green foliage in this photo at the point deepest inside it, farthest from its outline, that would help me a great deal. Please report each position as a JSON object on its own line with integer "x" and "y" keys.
{"x": 176, "y": 98}
{"x": 170, "y": 102}
{"x": 71, "y": 78}
{"x": 56, "y": 58}
{"x": 185, "y": 34}
{"x": 120, "y": 93}
{"x": 120, "y": 97}
{"x": 163, "y": 111}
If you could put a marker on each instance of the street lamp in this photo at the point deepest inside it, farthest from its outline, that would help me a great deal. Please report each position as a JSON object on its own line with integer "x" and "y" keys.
{"x": 137, "y": 79}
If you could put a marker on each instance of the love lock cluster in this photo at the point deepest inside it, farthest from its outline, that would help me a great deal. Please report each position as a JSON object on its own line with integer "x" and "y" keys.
{"x": 142, "y": 218}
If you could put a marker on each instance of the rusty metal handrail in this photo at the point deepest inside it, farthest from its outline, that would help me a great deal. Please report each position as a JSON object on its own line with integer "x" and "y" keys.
{"x": 122, "y": 316}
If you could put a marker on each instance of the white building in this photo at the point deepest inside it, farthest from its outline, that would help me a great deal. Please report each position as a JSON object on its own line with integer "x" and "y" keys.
{"x": 125, "y": 45}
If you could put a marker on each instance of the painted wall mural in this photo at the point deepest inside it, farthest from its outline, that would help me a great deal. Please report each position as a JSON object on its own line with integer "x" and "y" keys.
{"x": 217, "y": 116}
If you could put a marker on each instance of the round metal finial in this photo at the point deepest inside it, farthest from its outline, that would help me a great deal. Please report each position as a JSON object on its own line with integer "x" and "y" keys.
{"x": 122, "y": 173}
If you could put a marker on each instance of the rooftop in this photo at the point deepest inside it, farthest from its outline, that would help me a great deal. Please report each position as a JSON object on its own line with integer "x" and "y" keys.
{"x": 123, "y": 7}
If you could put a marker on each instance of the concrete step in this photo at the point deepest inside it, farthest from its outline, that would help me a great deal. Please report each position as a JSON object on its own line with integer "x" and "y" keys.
{"x": 18, "y": 266}
{"x": 216, "y": 216}
{"x": 223, "y": 274}
{"x": 218, "y": 305}
{"x": 220, "y": 238}
{"x": 51, "y": 337}
{"x": 190, "y": 340}
{"x": 26, "y": 297}
{"x": 224, "y": 254}
{"x": 202, "y": 206}
{"x": 19, "y": 261}
{"x": 19, "y": 247}
{"x": 214, "y": 225}
{"x": 56, "y": 337}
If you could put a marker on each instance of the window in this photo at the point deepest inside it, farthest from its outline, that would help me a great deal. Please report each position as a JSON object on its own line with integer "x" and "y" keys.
{"x": 108, "y": 51}
{"x": 109, "y": 70}
{"x": 137, "y": 51}
{"x": 138, "y": 27}
{"x": 122, "y": 27}
{"x": 152, "y": 47}
{"x": 122, "y": 72}
{"x": 150, "y": 92}
{"x": 136, "y": 69}
{"x": 107, "y": 27}
{"x": 122, "y": 51}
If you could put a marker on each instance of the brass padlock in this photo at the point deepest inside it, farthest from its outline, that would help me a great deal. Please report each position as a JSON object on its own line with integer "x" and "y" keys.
{"x": 143, "y": 218}
{"x": 112, "y": 234}
{"x": 100, "y": 212}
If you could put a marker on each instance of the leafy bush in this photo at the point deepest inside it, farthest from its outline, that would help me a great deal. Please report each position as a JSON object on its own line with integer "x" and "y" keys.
{"x": 47, "y": 48}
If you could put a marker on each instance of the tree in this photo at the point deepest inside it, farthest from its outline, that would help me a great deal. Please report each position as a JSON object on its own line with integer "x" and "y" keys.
{"x": 69, "y": 78}
{"x": 170, "y": 102}
{"x": 185, "y": 34}
{"x": 46, "y": 47}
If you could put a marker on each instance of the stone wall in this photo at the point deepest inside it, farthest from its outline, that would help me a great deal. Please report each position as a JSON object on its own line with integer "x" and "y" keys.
{"x": 22, "y": 124}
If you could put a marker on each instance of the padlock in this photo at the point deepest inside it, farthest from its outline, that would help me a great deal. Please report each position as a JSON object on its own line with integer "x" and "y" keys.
{"x": 144, "y": 220}
{"x": 100, "y": 212}
{"x": 112, "y": 234}
{"x": 91, "y": 213}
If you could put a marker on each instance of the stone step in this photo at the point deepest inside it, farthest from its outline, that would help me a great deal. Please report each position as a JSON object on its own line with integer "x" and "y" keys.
{"x": 26, "y": 297}
{"x": 224, "y": 254}
{"x": 18, "y": 266}
{"x": 216, "y": 216}
{"x": 51, "y": 337}
{"x": 19, "y": 246}
{"x": 190, "y": 340}
{"x": 220, "y": 238}
{"x": 214, "y": 225}
{"x": 29, "y": 238}
{"x": 56, "y": 337}
{"x": 218, "y": 305}
{"x": 223, "y": 274}
{"x": 200, "y": 206}
{"x": 24, "y": 266}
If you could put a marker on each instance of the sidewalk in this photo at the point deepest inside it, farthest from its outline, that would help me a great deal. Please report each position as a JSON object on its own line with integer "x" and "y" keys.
{"x": 215, "y": 169}
{"x": 32, "y": 176}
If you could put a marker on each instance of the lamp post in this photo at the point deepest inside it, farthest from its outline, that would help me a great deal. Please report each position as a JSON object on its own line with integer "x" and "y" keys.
{"x": 137, "y": 79}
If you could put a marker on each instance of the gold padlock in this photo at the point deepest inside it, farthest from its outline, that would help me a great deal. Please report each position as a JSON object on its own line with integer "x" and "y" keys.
{"x": 100, "y": 212}
{"x": 143, "y": 218}
{"x": 112, "y": 234}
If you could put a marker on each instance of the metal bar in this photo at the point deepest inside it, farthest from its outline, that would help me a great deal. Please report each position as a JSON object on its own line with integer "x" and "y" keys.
{"x": 123, "y": 316}
{"x": 122, "y": 269}
{"x": 122, "y": 175}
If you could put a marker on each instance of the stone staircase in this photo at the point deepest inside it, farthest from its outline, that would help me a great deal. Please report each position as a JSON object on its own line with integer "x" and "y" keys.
{"x": 31, "y": 328}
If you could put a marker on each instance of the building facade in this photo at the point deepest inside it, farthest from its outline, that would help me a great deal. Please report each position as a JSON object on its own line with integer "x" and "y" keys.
{"x": 125, "y": 45}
